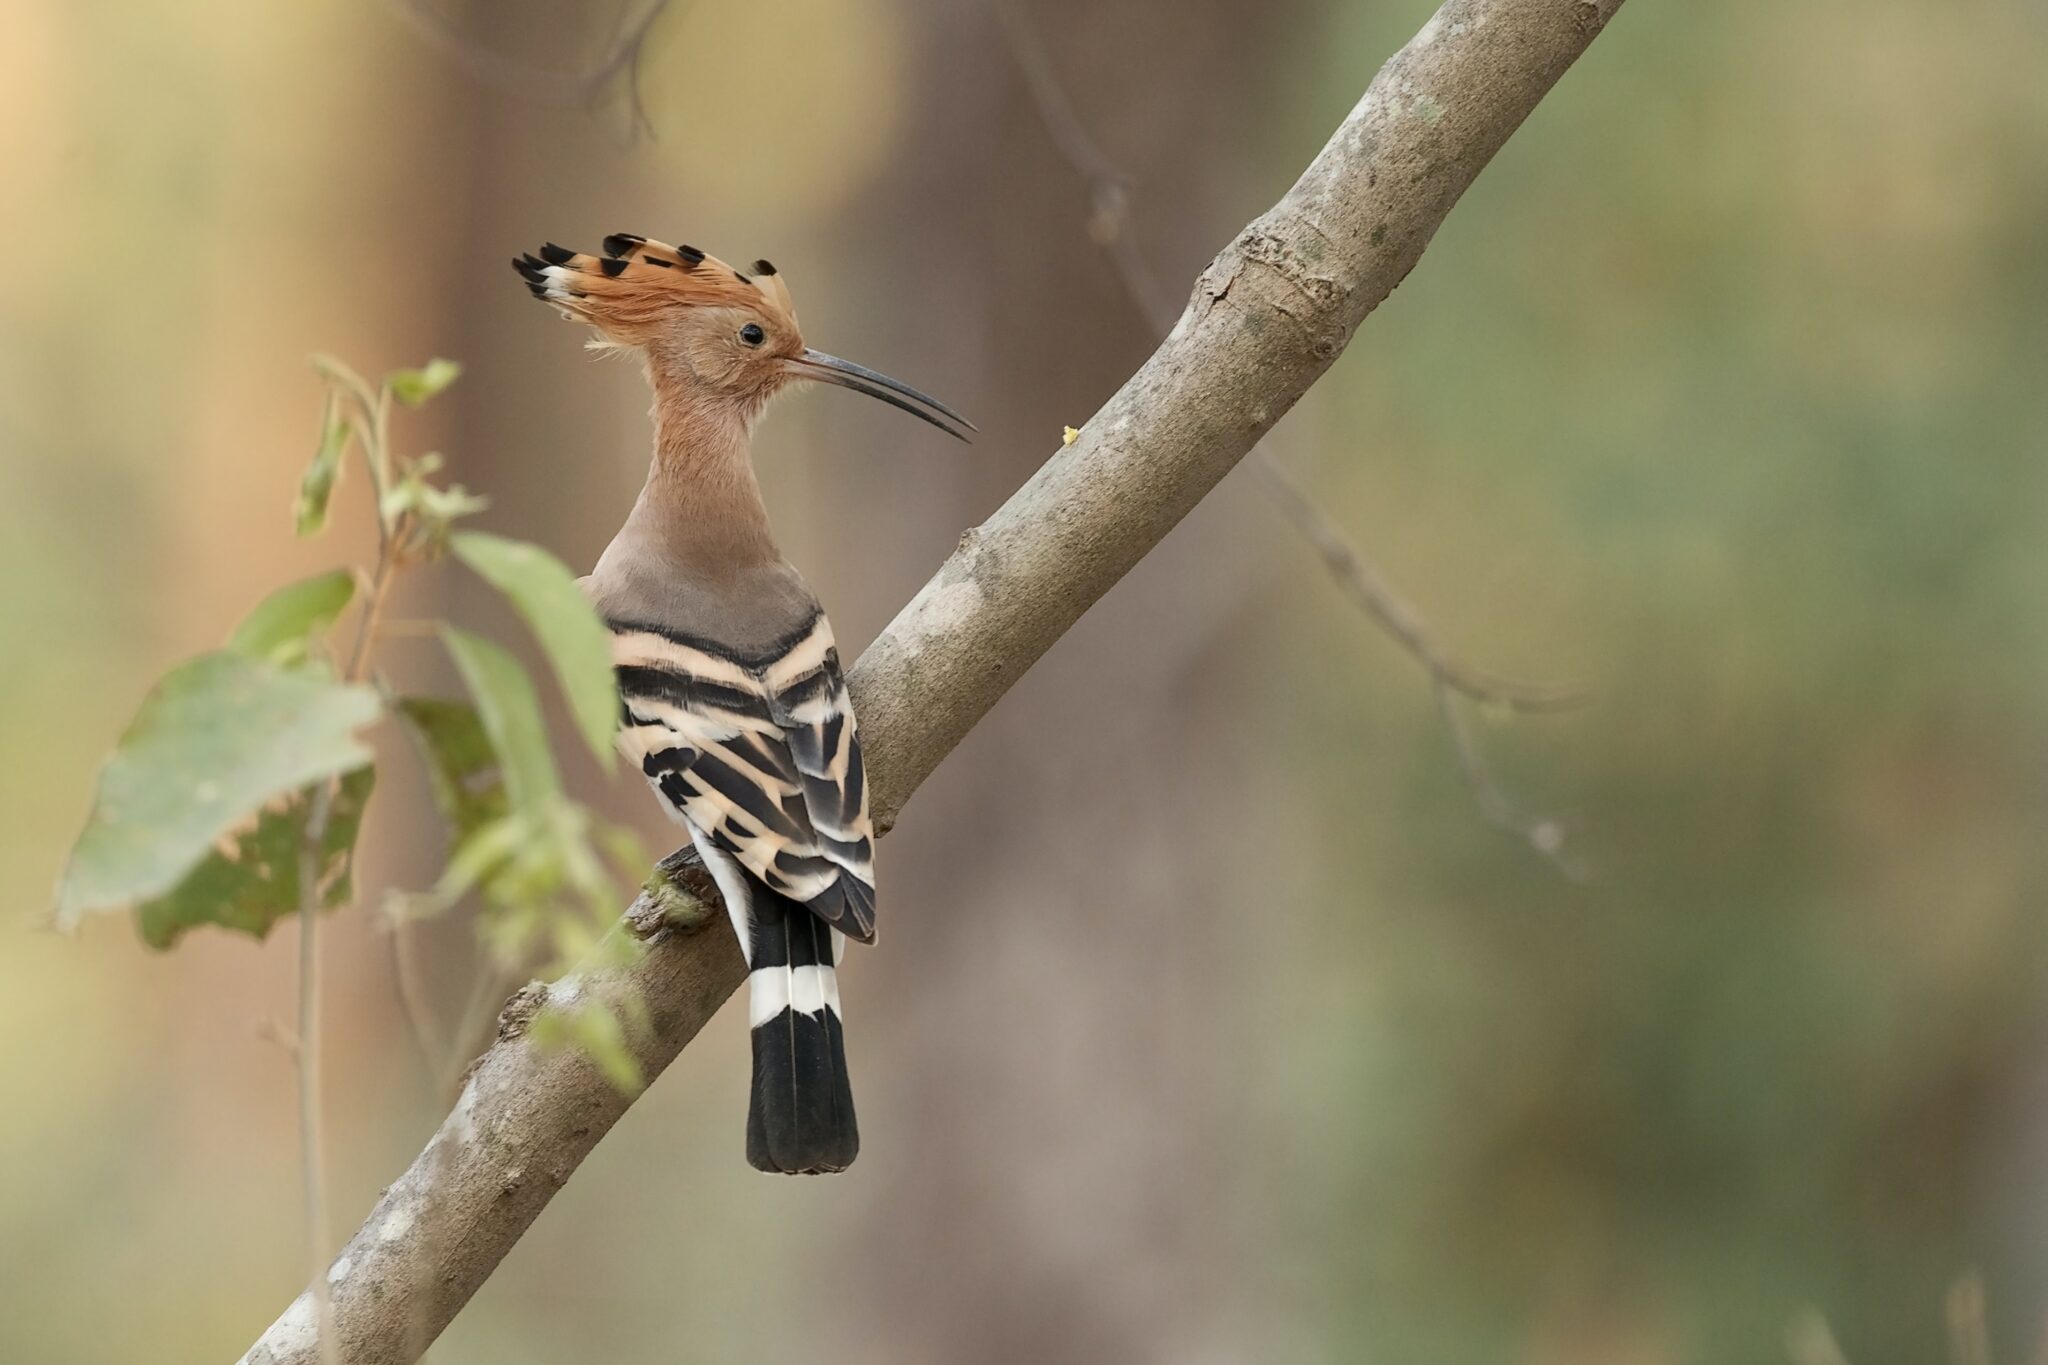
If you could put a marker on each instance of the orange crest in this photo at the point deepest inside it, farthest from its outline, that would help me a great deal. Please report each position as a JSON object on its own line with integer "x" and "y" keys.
{"x": 638, "y": 284}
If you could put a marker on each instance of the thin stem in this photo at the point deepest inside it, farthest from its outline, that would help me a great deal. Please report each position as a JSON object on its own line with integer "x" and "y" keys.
{"x": 485, "y": 992}
{"x": 373, "y": 611}
{"x": 1395, "y": 615}
{"x": 312, "y": 1154}
{"x": 307, "y": 1053}
{"x": 1545, "y": 836}
{"x": 372, "y": 427}
{"x": 380, "y": 463}
{"x": 586, "y": 88}
{"x": 347, "y": 380}
{"x": 412, "y": 996}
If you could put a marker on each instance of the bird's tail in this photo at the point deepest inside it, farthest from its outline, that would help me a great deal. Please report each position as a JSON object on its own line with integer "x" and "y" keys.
{"x": 800, "y": 1121}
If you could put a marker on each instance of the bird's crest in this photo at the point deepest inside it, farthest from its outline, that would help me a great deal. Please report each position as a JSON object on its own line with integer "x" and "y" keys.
{"x": 630, "y": 290}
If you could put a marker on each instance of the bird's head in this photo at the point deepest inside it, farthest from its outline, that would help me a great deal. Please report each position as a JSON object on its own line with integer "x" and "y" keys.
{"x": 697, "y": 320}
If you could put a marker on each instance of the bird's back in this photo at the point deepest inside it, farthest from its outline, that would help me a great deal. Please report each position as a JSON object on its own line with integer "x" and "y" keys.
{"x": 733, "y": 704}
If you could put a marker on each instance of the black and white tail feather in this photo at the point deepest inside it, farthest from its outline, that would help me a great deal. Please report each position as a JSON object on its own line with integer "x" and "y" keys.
{"x": 758, "y": 757}
{"x": 800, "y": 1119}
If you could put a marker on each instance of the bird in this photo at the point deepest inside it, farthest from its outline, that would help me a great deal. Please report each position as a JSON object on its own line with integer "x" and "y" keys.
{"x": 732, "y": 699}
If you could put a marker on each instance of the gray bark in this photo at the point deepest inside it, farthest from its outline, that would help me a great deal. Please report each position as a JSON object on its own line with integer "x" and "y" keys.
{"x": 1266, "y": 319}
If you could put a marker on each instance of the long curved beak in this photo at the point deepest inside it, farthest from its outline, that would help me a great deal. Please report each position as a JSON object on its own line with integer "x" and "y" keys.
{"x": 830, "y": 369}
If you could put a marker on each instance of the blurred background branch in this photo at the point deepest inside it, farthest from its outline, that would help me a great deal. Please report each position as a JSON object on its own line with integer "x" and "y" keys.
{"x": 1110, "y": 226}
{"x": 1267, "y": 319}
{"x": 615, "y": 71}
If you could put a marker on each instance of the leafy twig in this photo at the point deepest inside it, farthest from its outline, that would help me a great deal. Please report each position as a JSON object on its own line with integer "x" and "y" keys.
{"x": 371, "y": 427}
{"x": 412, "y": 995}
{"x": 307, "y": 1053}
{"x": 306, "y": 1060}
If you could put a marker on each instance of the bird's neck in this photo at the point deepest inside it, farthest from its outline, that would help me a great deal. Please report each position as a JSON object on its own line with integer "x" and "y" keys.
{"x": 701, "y": 502}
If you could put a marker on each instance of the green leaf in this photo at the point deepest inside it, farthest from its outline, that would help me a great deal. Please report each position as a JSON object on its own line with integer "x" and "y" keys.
{"x": 282, "y": 627}
{"x": 469, "y": 785}
{"x": 219, "y": 738}
{"x": 251, "y": 878}
{"x": 568, "y": 627}
{"x": 323, "y": 473}
{"x": 414, "y": 387}
{"x": 509, "y": 708}
{"x": 441, "y": 505}
{"x": 426, "y": 510}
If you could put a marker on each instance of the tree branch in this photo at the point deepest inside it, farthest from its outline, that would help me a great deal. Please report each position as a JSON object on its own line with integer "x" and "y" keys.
{"x": 1266, "y": 319}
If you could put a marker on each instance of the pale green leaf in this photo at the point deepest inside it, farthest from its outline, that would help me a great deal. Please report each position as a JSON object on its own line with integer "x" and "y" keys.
{"x": 251, "y": 878}
{"x": 469, "y": 785}
{"x": 478, "y": 860}
{"x": 509, "y": 707}
{"x": 282, "y": 626}
{"x": 425, "y": 509}
{"x": 317, "y": 486}
{"x": 569, "y": 629}
{"x": 415, "y": 387}
{"x": 443, "y": 504}
{"x": 218, "y": 739}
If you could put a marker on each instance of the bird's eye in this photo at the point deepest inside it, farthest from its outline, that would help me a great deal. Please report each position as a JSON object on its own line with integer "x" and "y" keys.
{"x": 752, "y": 335}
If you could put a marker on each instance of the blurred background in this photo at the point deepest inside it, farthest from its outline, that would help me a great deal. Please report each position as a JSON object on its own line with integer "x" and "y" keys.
{"x": 1724, "y": 390}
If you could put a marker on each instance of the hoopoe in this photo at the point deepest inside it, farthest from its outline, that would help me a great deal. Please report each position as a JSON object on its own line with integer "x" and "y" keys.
{"x": 731, "y": 696}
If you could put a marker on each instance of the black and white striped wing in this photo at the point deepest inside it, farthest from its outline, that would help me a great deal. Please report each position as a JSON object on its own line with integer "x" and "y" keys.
{"x": 760, "y": 755}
